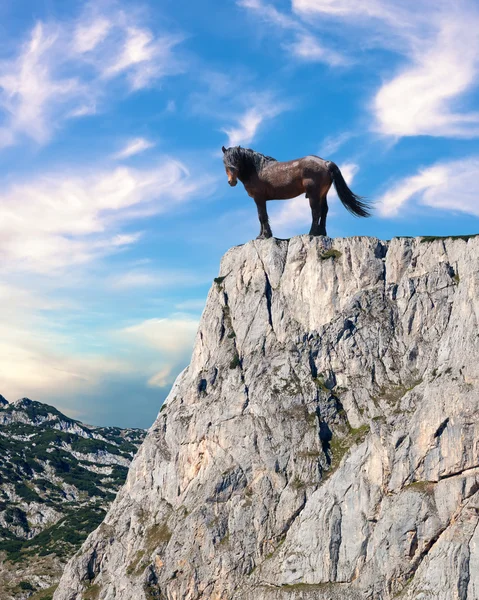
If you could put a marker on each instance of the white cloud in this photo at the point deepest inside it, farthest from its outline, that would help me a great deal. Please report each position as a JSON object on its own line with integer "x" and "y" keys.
{"x": 305, "y": 46}
{"x": 372, "y": 8}
{"x": 134, "y": 146}
{"x": 451, "y": 186}
{"x": 441, "y": 48}
{"x": 144, "y": 57}
{"x": 29, "y": 92}
{"x": 422, "y": 99}
{"x": 172, "y": 336}
{"x": 164, "y": 377}
{"x": 37, "y": 358}
{"x": 264, "y": 108}
{"x": 60, "y": 219}
{"x": 35, "y": 95}
{"x": 88, "y": 35}
{"x": 333, "y": 143}
{"x": 270, "y": 13}
{"x": 296, "y": 213}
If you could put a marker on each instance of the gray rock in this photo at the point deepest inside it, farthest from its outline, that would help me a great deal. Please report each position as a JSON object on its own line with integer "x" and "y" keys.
{"x": 323, "y": 442}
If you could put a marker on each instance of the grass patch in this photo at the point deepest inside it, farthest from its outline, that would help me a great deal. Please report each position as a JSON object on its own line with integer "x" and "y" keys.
{"x": 393, "y": 394}
{"x": 310, "y": 454}
{"x": 332, "y": 253}
{"x": 135, "y": 567}
{"x": 424, "y": 487}
{"x": 224, "y": 540}
{"x": 46, "y": 594}
{"x": 307, "y": 587}
{"x": 92, "y": 593}
{"x": 319, "y": 381}
{"x": 219, "y": 280}
{"x": 273, "y": 552}
{"x": 432, "y": 238}
{"x": 235, "y": 362}
{"x": 339, "y": 446}
{"x": 297, "y": 484}
{"x": 157, "y": 535}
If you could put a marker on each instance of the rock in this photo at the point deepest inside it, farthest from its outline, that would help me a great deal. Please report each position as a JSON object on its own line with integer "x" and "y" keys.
{"x": 323, "y": 442}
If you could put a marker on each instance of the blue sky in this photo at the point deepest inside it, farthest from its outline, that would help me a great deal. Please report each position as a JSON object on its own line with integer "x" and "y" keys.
{"x": 114, "y": 205}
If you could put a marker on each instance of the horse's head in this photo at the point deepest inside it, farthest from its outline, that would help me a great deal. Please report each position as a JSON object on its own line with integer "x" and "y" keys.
{"x": 231, "y": 169}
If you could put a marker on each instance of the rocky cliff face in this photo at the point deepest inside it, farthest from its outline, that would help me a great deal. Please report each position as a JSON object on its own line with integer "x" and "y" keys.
{"x": 322, "y": 444}
{"x": 57, "y": 478}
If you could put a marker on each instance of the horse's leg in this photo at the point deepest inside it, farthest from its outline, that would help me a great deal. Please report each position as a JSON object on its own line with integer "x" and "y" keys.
{"x": 323, "y": 205}
{"x": 265, "y": 231}
{"x": 314, "y": 203}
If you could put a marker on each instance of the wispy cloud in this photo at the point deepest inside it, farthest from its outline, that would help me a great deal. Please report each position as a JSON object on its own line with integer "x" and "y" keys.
{"x": 36, "y": 357}
{"x": 423, "y": 98}
{"x": 59, "y": 219}
{"x": 35, "y": 95}
{"x": 89, "y": 33}
{"x": 428, "y": 94}
{"x": 449, "y": 186}
{"x": 135, "y": 146}
{"x": 264, "y": 107}
{"x": 172, "y": 339}
{"x": 371, "y": 8}
{"x": 144, "y": 58}
{"x": 172, "y": 335}
{"x": 333, "y": 143}
{"x": 304, "y": 45}
{"x": 30, "y": 93}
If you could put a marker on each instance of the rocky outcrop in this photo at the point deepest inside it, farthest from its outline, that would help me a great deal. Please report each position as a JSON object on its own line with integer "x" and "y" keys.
{"x": 322, "y": 444}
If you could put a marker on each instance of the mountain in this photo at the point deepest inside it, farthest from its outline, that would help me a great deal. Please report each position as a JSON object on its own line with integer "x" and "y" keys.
{"x": 57, "y": 478}
{"x": 323, "y": 442}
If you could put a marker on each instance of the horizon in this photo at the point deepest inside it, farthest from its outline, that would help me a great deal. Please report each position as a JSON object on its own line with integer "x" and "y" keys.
{"x": 115, "y": 208}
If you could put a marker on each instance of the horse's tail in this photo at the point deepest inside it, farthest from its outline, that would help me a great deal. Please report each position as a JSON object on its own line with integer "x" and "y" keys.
{"x": 354, "y": 204}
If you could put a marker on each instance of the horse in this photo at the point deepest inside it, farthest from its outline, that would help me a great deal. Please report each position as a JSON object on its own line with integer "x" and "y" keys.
{"x": 264, "y": 178}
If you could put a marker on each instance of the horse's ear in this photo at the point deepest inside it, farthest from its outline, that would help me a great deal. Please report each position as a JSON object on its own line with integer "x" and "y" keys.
{"x": 224, "y": 149}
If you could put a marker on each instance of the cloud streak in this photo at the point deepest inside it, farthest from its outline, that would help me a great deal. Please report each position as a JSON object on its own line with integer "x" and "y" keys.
{"x": 264, "y": 108}
{"x": 58, "y": 219}
{"x": 36, "y": 97}
{"x": 134, "y": 146}
{"x": 427, "y": 95}
{"x": 304, "y": 45}
{"x": 449, "y": 186}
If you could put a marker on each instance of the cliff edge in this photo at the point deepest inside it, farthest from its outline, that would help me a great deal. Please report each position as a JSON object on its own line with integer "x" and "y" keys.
{"x": 322, "y": 444}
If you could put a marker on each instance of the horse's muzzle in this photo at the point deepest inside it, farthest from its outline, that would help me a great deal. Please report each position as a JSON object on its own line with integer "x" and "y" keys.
{"x": 232, "y": 183}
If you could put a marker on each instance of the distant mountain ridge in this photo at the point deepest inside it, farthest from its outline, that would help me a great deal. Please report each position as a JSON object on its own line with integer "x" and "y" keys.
{"x": 57, "y": 478}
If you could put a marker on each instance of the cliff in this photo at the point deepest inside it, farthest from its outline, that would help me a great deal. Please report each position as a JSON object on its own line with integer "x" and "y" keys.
{"x": 322, "y": 444}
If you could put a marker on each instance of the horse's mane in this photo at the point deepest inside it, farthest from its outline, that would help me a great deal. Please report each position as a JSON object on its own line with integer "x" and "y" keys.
{"x": 247, "y": 161}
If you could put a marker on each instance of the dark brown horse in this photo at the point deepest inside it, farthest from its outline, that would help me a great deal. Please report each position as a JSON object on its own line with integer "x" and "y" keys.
{"x": 264, "y": 178}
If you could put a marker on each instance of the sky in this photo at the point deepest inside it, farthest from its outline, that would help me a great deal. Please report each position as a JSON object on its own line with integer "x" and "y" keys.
{"x": 114, "y": 204}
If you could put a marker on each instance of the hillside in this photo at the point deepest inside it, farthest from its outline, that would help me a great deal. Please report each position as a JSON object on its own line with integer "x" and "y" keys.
{"x": 57, "y": 478}
{"x": 323, "y": 442}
